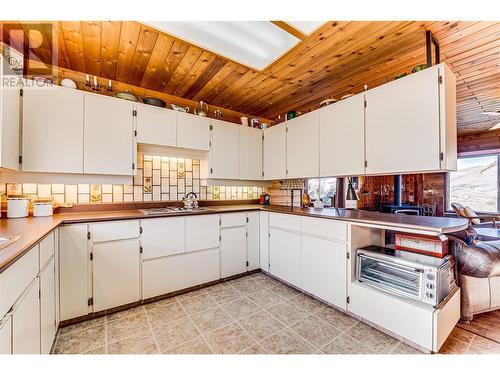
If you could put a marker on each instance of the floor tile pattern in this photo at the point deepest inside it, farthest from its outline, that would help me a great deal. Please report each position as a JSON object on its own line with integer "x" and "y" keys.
{"x": 254, "y": 314}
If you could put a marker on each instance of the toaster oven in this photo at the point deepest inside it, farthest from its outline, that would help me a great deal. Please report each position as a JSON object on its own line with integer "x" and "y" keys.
{"x": 416, "y": 276}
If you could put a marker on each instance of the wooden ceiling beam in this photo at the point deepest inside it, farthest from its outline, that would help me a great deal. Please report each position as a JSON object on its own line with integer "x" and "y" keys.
{"x": 290, "y": 29}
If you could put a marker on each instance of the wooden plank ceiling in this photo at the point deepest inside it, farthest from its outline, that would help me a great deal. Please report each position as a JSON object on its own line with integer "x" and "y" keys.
{"x": 337, "y": 59}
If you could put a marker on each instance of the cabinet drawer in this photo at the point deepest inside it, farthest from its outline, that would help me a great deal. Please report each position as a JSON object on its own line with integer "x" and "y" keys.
{"x": 46, "y": 249}
{"x": 15, "y": 279}
{"x": 330, "y": 229}
{"x": 288, "y": 222}
{"x": 233, "y": 220}
{"x": 116, "y": 230}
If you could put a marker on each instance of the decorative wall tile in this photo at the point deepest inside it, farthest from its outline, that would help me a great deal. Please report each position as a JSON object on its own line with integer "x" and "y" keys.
{"x": 71, "y": 192}
{"x": 165, "y": 185}
{"x": 57, "y": 188}
{"x": 58, "y": 198}
{"x": 165, "y": 169}
{"x": 128, "y": 197}
{"x": 156, "y": 162}
{"x": 138, "y": 177}
{"x": 29, "y": 188}
{"x": 107, "y": 198}
{"x": 83, "y": 189}
{"x": 128, "y": 189}
{"x": 181, "y": 169}
{"x": 138, "y": 193}
{"x": 156, "y": 193}
{"x": 44, "y": 190}
{"x": 95, "y": 193}
{"x": 117, "y": 193}
{"x": 83, "y": 198}
{"x": 148, "y": 169}
{"x": 148, "y": 185}
{"x": 165, "y": 197}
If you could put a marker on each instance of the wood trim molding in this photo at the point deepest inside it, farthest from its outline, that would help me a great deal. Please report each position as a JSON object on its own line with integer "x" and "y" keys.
{"x": 290, "y": 29}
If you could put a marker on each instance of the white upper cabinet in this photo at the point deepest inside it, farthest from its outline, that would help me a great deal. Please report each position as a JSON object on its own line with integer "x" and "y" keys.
{"x": 302, "y": 146}
{"x": 275, "y": 152}
{"x": 9, "y": 118}
{"x": 109, "y": 145}
{"x": 156, "y": 126}
{"x": 193, "y": 131}
{"x": 250, "y": 153}
{"x": 403, "y": 124}
{"x": 342, "y": 138}
{"x": 53, "y": 130}
{"x": 224, "y": 153}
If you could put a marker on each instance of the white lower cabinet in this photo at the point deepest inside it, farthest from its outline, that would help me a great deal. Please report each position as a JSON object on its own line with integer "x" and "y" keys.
{"x": 253, "y": 240}
{"x": 47, "y": 307}
{"x": 323, "y": 265}
{"x": 163, "y": 237}
{"x": 233, "y": 252}
{"x": 26, "y": 322}
{"x": 284, "y": 255}
{"x": 202, "y": 232}
{"x": 176, "y": 272}
{"x": 73, "y": 271}
{"x": 115, "y": 273}
{"x": 264, "y": 241}
{"x": 6, "y": 335}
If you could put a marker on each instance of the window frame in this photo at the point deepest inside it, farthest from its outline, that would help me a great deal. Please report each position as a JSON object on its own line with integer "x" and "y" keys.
{"x": 448, "y": 185}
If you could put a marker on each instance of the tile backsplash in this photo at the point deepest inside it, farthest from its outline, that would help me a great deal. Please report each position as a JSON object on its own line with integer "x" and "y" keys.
{"x": 158, "y": 178}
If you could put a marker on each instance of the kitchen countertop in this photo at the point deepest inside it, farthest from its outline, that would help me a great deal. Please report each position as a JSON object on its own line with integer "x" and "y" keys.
{"x": 33, "y": 229}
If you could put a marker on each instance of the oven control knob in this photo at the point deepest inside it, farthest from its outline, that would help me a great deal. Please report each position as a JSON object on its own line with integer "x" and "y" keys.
{"x": 430, "y": 286}
{"x": 429, "y": 295}
{"x": 430, "y": 276}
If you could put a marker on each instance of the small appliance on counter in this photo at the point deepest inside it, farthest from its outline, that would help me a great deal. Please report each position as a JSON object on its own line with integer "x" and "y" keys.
{"x": 43, "y": 208}
{"x": 17, "y": 207}
{"x": 265, "y": 199}
{"x": 416, "y": 276}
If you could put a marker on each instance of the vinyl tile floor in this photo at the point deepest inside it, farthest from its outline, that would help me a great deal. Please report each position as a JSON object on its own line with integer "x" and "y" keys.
{"x": 254, "y": 314}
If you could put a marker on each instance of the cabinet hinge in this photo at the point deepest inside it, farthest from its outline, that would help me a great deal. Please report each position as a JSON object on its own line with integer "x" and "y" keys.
{"x": 220, "y": 237}
{"x": 209, "y": 143}
{"x": 134, "y": 113}
{"x": 440, "y": 79}
{"x": 211, "y": 127}
{"x": 211, "y": 171}
{"x": 20, "y": 159}
{"x": 287, "y": 171}
{"x": 348, "y": 299}
{"x": 347, "y": 255}
{"x": 140, "y": 230}
{"x": 140, "y": 249}
{"x": 366, "y": 163}
{"x": 441, "y": 156}
{"x": 365, "y": 103}
{"x": 220, "y": 221}
{"x": 247, "y": 263}
{"x": 262, "y": 136}
{"x": 133, "y": 166}
{"x": 21, "y": 92}
{"x": 262, "y": 174}
{"x": 135, "y": 133}
{"x": 90, "y": 301}
{"x": 88, "y": 235}
{"x": 246, "y": 234}
{"x": 91, "y": 256}
{"x": 247, "y": 220}
{"x": 39, "y": 294}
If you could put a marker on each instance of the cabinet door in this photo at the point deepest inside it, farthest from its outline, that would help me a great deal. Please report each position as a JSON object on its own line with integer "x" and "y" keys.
{"x": 233, "y": 251}
{"x": 275, "y": 152}
{"x": 264, "y": 241}
{"x": 323, "y": 269}
{"x": 115, "y": 276}
{"x": 253, "y": 240}
{"x": 47, "y": 307}
{"x": 250, "y": 153}
{"x": 162, "y": 237}
{"x": 6, "y": 335}
{"x": 342, "y": 138}
{"x": 284, "y": 255}
{"x": 180, "y": 271}
{"x": 402, "y": 125}
{"x": 108, "y": 135}
{"x": 224, "y": 153}
{"x": 73, "y": 271}
{"x": 26, "y": 322}
{"x": 53, "y": 130}
{"x": 193, "y": 131}
{"x": 156, "y": 126}
{"x": 202, "y": 232}
{"x": 302, "y": 146}
{"x": 9, "y": 119}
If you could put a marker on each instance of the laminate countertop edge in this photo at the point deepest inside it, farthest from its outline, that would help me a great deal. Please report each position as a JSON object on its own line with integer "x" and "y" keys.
{"x": 33, "y": 230}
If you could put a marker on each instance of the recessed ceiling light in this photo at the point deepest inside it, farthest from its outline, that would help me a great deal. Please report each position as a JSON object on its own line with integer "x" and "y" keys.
{"x": 495, "y": 127}
{"x": 255, "y": 44}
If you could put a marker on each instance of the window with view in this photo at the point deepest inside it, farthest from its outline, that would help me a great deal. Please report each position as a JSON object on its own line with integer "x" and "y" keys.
{"x": 475, "y": 183}
{"x": 322, "y": 188}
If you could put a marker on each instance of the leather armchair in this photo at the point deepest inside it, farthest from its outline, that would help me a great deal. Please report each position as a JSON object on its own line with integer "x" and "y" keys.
{"x": 477, "y": 268}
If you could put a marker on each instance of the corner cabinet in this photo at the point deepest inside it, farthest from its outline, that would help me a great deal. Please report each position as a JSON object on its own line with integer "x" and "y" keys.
{"x": 109, "y": 144}
{"x": 275, "y": 152}
{"x": 342, "y": 138}
{"x": 52, "y": 136}
{"x": 302, "y": 146}
{"x": 411, "y": 123}
{"x": 250, "y": 155}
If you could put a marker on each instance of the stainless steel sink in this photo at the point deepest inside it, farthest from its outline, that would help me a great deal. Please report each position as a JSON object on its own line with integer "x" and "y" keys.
{"x": 7, "y": 240}
{"x": 171, "y": 210}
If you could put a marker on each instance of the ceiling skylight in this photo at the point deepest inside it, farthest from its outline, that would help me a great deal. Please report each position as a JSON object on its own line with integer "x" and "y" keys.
{"x": 255, "y": 44}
